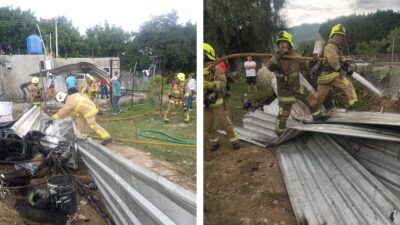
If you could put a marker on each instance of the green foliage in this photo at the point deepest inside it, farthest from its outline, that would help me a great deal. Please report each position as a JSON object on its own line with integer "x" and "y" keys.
{"x": 106, "y": 41}
{"x": 380, "y": 46}
{"x": 15, "y": 26}
{"x": 232, "y": 26}
{"x": 162, "y": 38}
{"x": 174, "y": 44}
{"x": 364, "y": 28}
{"x": 305, "y": 47}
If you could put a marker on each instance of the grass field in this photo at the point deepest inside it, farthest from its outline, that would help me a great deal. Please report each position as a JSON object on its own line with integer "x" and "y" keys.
{"x": 182, "y": 157}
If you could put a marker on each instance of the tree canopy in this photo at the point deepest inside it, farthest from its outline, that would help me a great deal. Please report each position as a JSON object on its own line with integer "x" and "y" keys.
{"x": 232, "y": 26}
{"x": 364, "y": 30}
{"x": 162, "y": 37}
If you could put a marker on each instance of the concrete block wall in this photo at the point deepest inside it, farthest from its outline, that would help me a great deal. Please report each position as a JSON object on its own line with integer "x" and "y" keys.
{"x": 15, "y": 70}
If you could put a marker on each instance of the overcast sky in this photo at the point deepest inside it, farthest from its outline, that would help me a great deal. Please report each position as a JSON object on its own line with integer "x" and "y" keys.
{"x": 316, "y": 11}
{"x": 124, "y": 13}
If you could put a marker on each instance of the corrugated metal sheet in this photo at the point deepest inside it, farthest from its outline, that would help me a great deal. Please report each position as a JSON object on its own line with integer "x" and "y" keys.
{"x": 374, "y": 118}
{"x": 82, "y": 67}
{"x": 134, "y": 195}
{"x": 380, "y": 158}
{"x": 259, "y": 127}
{"x": 327, "y": 186}
{"x": 34, "y": 119}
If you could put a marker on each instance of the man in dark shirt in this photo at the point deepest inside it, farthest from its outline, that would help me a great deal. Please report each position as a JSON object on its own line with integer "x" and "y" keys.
{"x": 22, "y": 87}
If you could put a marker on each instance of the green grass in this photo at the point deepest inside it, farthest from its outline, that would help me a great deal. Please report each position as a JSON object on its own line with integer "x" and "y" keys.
{"x": 183, "y": 158}
{"x": 236, "y": 99}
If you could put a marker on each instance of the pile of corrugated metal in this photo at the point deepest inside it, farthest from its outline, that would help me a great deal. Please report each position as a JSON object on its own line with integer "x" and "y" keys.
{"x": 132, "y": 194}
{"x": 343, "y": 171}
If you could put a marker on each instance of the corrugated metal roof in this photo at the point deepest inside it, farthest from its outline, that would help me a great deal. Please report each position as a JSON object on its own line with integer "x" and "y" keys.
{"x": 327, "y": 186}
{"x": 259, "y": 127}
{"x": 82, "y": 67}
{"x": 377, "y": 118}
{"x": 380, "y": 158}
{"x": 34, "y": 119}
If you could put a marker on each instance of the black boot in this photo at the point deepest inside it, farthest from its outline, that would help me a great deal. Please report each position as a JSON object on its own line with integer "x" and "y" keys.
{"x": 107, "y": 141}
{"x": 215, "y": 147}
{"x": 322, "y": 118}
{"x": 236, "y": 145}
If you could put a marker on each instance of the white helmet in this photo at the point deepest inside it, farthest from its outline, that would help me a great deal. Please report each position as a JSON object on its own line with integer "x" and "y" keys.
{"x": 61, "y": 96}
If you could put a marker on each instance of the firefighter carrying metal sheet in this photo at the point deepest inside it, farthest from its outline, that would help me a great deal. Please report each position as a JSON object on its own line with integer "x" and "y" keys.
{"x": 177, "y": 97}
{"x": 288, "y": 83}
{"x": 215, "y": 108}
{"x": 79, "y": 106}
{"x": 335, "y": 72}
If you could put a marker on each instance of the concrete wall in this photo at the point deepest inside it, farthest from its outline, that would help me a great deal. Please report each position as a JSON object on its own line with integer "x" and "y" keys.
{"x": 15, "y": 70}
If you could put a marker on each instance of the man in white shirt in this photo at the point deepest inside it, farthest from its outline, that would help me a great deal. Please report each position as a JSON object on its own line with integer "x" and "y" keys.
{"x": 251, "y": 78}
{"x": 192, "y": 88}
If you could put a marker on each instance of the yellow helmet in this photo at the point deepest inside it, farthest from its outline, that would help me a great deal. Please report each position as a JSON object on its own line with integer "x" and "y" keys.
{"x": 35, "y": 80}
{"x": 285, "y": 36}
{"x": 181, "y": 76}
{"x": 209, "y": 51}
{"x": 338, "y": 29}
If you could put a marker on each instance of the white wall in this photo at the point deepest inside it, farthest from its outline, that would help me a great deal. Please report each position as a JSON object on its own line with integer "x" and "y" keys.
{"x": 15, "y": 70}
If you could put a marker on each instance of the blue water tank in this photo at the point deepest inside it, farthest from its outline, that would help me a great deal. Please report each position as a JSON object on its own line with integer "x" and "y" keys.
{"x": 34, "y": 44}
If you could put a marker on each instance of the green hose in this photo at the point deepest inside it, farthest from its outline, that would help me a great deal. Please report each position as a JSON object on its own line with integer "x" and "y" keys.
{"x": 145, "y": 133}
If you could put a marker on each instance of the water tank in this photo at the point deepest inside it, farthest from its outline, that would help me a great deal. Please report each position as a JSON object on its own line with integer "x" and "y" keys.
{"x": 34, "y": 44}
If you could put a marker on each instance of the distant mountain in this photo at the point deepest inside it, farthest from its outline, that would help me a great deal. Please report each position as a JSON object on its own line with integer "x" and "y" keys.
{"x": 305, "y": 32}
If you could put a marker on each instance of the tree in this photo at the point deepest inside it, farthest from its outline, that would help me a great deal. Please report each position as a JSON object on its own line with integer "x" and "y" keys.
{"x": 70, "y": 42}
{"x": 162, "y": 37}
{"x": 363, "y": 28}
{"x": 15, "y": 27}
{"x": 106, "y": 41}
{"x": 232, "y": 26}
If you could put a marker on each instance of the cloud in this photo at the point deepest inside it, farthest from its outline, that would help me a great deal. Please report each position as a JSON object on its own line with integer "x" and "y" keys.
{"x": 298, "y": 12}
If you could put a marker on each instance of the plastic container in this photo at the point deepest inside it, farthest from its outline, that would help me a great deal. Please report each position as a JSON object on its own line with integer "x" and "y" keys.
{"x": 62, "y": 193}
{"x": 34, "y": 44}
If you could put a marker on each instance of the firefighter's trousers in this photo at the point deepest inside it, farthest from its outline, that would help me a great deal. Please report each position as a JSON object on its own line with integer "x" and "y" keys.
{"x": 285, "y": 106}
{"x": 86, "y": 124}
{"x": 218, "y": 114}
{"x": 177, "y": 103}
{"x": 341, "y": 82}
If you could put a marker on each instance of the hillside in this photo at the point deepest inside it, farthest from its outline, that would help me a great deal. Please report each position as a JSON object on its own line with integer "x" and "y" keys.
{"x": 305, "y": 32}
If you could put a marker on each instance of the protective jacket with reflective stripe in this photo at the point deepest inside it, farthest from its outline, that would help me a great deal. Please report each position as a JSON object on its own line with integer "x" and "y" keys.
{"x": 77, "y": 105}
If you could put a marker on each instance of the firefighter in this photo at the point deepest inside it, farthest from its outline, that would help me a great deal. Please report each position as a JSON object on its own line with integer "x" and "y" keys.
{"x": 177, "y": 96}
{"x": 81, "y": 107}
{"x": 335, "y": 72}
{"x": 215, "y": 108}
{"x": 288, "y": 83}
{"x": 90, "y": 88}
{"x": 35, "y": 91}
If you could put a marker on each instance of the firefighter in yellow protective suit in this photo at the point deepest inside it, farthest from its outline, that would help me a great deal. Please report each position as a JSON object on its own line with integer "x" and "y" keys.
{"x": 215, "y": 108}
{"x": 288, "y": 83}
{"x": 177, "y": 97}
{"x": 335, "y": 72}
{"x": 35, "y": 91}
{"x": 79, "y": 106}
{"x": 90, "y": 88}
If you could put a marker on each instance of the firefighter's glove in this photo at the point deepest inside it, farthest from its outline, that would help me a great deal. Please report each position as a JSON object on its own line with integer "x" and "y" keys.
{"x": 206, "y": 71}
{"x": 55, "y": 117}
{"x": 349, "y": 73}
{"x": 346, "y": 65}
{"x": 169, "y": 96}
{"x": 281, "y": 53}
{"x": 315, "y": 58}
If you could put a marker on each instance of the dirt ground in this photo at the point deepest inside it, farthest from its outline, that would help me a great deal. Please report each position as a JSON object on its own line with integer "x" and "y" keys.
{"x": 245, "y": 187}
{"x": 163, "y": 168}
